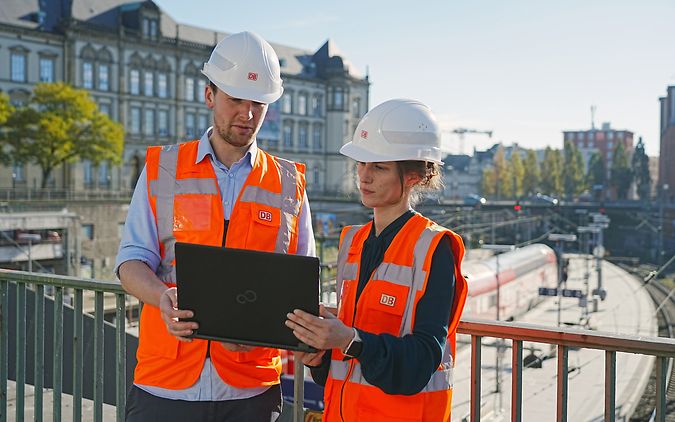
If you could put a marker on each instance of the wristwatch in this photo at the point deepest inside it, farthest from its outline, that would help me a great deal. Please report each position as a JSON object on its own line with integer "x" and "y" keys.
{"x": 353, "y": 349}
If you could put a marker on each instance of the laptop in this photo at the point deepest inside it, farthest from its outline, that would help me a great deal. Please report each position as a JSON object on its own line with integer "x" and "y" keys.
{"x": 243, "y": 296}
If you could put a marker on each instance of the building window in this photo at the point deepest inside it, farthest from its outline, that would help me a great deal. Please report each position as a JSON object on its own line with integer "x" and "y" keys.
{"x": 88, "y": 231}
{"x": 287, "y": 102}
{"x": 86, "y": 172}
{"x": 103, "y": 77}
{"x": 202, "y": 123}
{"x": 149, "y": 123}
{"x": 88, "y": 75}
{"x": 288, "y": 135}
{"x": 190, "y": 125}
{"x": 303, "y": 140}
{"x": 148, "y": 83}
{"x": 18, "y": 172}
{"x": 162, "y": 91}
{"x": 201, "y": 87}
{"x": 610, "y": 135}
{"x": 356, "y": 107}
{"x": 153, "y": 28}
{"x": 104, "y": 108}
{"x": 316, "y": 138}
{"x": 135, "y": 126}
{"x": 134, "y": 82}
{"x": 162, "y": 122}
{"x": 103, "y": 174}
{"x": 317, "y": 176}
{"x": 189, "y": 89}
{"x": 302, "y": 104}
{"x": 18, "y": 67}
{"x": 338, "y": 98}
{"x": 316, "y": 105}
{"x": 46, "y": 70}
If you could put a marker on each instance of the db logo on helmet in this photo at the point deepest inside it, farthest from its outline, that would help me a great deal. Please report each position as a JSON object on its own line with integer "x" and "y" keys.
{"x": 265, "y": 216}
{"x": 252, "y": 76}
{"x": 364, "y": 134}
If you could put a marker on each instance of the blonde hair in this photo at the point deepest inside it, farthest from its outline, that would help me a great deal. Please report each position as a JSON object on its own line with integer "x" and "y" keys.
{"x": 429, "y": 174}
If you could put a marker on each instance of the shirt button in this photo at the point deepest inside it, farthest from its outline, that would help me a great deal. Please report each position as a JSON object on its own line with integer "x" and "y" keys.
{"x": 227, "y": 202}
{"x": 230, "y": 175}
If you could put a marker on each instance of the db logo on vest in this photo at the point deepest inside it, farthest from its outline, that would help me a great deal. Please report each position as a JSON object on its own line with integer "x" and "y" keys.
{"x": 387, "y": 300}
{"x": 265, "y": 216}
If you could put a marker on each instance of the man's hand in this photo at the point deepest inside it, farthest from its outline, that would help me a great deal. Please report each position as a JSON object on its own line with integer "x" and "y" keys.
{"x": 310, "y": 359}
{"x": 168, "y": 306}
{"x": 234, "y": 347}
{"x": 325, "y": 332}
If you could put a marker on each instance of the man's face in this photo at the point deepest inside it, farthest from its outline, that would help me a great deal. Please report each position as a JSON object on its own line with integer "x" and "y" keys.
{"x": 235, "y": 121}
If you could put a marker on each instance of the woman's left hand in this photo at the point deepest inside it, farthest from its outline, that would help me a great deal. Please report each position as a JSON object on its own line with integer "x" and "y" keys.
{"x": 324, "y": 332}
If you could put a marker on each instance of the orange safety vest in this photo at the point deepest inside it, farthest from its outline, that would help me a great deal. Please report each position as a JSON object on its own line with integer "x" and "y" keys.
{"x": 387, "y": 305}
{"x": 187, "y": 207}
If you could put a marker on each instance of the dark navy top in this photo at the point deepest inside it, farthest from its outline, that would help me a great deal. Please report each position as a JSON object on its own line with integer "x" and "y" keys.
{"x": 404, "y": 365}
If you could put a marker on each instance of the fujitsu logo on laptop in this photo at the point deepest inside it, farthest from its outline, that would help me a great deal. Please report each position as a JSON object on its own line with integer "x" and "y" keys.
{"x": 265, "y": 216}
{"x": 387, "y": 300}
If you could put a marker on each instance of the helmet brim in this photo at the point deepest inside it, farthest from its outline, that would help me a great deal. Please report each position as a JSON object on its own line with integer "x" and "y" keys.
{"x": 363, "y": 155}
{"x": 247, "y": 94}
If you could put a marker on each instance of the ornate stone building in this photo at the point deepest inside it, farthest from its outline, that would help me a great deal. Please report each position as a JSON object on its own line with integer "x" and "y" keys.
{"x": 142, "y": 68}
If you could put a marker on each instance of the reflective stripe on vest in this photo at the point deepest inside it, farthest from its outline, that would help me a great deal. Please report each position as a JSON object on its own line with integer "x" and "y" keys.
{"x": 167, "y": 186}
{"x": 346, "y": 271}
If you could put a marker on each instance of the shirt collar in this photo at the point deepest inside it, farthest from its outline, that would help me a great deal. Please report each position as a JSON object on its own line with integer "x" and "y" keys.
{"x": 205, "y": 149}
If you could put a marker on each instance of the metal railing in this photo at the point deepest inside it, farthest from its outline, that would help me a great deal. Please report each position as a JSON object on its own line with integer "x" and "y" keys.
{"x": 562, "y": 338}
{"x": 51, "y": 194}
{"x": 22, "y": 280}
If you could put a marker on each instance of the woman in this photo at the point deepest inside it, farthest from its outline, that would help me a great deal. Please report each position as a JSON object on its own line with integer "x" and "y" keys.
{"x": 401, "y": 289}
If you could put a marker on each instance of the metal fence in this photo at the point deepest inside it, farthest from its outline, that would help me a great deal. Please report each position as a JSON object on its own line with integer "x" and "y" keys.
{"x": 562, "y": 338}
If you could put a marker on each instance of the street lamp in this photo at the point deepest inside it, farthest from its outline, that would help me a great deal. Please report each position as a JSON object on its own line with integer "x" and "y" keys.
{"x": 560, "y": 239}
{"x": 30, "y": 237}
{"x": 498, "y": 250}
{"x": 664, "y": 196}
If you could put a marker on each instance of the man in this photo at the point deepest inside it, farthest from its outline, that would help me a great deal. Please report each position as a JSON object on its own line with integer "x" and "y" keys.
{"x": 219, "y": 190}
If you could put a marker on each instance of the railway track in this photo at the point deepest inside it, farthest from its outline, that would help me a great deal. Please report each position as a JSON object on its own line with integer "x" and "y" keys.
{"x": 666, "y": 322}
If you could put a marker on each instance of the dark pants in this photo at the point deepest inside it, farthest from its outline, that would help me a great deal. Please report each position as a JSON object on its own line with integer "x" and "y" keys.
{"x": 143, "y": 406}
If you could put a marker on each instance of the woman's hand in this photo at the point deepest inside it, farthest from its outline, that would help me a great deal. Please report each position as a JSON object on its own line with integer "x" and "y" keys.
{"x": 324, "y": 332}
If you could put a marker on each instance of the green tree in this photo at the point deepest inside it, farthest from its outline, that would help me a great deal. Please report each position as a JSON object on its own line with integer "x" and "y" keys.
{"x": 488, "y": 182}
{"x": 597, "y": 173}
{"x": 503, "y": 179}
{"x": 531, "y": 174}
{"x": 61, "y": 124}
{"x": 621, "y": 174}
{"x": 517, "y": 174}
{"x": 551, "y": 172}
{"x": 640, "y": 164}
{"x": 6, "y": 111}
{"x": 573, "y": 171}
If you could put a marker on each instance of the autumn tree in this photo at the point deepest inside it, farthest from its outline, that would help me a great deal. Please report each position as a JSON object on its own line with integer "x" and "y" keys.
{"x": 531, "y": 174}
{"x": 641, "y": 176}
{"x": 551, "y": 172}
{"x": 573, "y": 171}
{"x": 517, "y": 173}
{"x": 61, "y": 124}
{"x": 597, "y": 173}
{"x": 621, "y": 174}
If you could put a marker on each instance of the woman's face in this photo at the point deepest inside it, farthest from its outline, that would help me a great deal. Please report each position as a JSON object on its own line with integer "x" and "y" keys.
{"x": 380, "y": 184}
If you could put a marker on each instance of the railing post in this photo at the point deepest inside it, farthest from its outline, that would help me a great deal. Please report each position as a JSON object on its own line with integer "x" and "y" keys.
{"x": 121, "y": 363}
{"x": 610, "y": 386}
{"x": 98, "y": 358}
{"x": 38, "y": 368}
{"x": 20, "y": 350}
{"x": 4, "y": 348}
{"x": 475, "y": 377}
{"x": 58, "y": 353}
{"x": 563, "y": 364}
{"x": 661, "y": 367}
{"x": 298, "y": 390}
{"x": 78, "y": 355}
{"x": 517, "y": 381}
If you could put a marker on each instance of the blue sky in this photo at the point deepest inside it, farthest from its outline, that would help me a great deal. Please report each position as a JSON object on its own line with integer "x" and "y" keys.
{"x": 525, "y": 69}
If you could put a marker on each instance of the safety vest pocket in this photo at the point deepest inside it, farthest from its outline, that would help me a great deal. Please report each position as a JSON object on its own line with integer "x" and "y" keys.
{"x": 192, "y": 212}
{"x": 380, "y": 406}
{"x": 264, "y": 226}
{"x": 382, "y": 306}
{"x": 155, "y": 340}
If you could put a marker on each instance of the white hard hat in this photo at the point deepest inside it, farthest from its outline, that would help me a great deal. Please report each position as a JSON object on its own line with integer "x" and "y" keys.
{"x": 396, "y": 130}
{"x": 245, "y": 66}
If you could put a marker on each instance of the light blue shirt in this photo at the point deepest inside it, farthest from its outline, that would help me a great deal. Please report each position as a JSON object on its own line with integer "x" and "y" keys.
{"x": 140, "y": 242}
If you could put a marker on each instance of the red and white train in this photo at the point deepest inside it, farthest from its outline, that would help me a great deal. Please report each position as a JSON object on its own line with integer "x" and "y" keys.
{"x": 521, "y": 273}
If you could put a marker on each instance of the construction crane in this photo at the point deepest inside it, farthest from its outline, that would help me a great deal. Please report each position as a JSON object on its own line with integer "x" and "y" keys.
{"x": 461, "y": 131}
